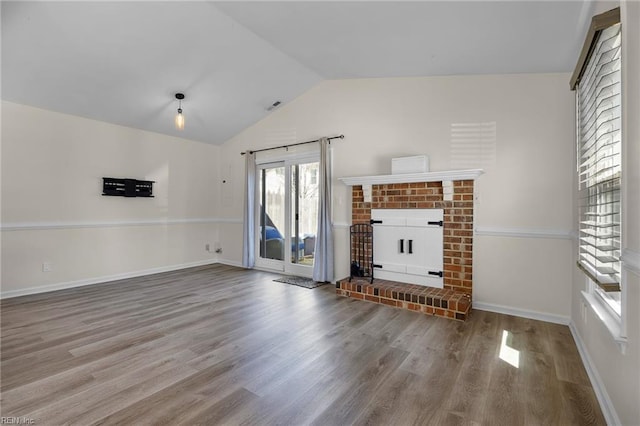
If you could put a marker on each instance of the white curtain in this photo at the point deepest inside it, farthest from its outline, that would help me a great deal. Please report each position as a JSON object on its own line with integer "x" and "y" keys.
{"x": 249, "y": 223}
{"x": 323, "y": 256}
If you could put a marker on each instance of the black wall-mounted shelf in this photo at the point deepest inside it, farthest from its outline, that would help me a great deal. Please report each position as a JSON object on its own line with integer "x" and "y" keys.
{"x": 127, "y": 187}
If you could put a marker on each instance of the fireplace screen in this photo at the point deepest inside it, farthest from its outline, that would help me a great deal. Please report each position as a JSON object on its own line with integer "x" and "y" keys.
{"x": 361, "y": 251}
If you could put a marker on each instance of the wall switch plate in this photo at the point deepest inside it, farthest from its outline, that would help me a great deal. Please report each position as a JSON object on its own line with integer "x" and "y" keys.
{"x": 207, "y": 247}
{"x": 47, "y": 267}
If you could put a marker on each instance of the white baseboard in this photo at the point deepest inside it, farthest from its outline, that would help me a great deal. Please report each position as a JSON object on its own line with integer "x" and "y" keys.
{"x": 524, "y": 313}
{"x": 230, "y": 263}
{"x": 103, "y": 279}
{"x": 608, "y": 410}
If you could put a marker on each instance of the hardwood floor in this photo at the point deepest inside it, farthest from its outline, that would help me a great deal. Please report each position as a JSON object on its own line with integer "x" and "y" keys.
{"x": 221, "y": 345}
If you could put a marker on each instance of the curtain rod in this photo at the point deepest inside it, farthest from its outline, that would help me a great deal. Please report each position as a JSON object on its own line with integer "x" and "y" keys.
{"x": 293, "y": 144}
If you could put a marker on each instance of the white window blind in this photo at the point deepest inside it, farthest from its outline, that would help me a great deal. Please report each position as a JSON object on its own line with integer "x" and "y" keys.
{"x": 599, "y": 161}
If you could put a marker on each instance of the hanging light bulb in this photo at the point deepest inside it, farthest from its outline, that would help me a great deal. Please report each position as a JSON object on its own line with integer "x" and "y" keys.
{"x": 180, "y": 116}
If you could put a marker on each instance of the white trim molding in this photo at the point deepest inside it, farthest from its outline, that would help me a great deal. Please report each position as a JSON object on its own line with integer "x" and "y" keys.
{"x": 495, "y": 231}
{"x": 229, "y": 262}
{"x": 470, "y": 174}
{"x": 612, "y": 323}
{"x": 228, "y": 220}
{"x": 631, "y": 261}
{"x": 102, "y": 279}
{"x": 606, "y": 405}
{"x": 524, "y": 313}
{"x": 31, "y": 226}
{"x": 341, "y": 225}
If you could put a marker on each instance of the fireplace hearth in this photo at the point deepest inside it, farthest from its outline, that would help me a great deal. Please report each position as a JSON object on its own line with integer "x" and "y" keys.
{"x": 428, "y": 300}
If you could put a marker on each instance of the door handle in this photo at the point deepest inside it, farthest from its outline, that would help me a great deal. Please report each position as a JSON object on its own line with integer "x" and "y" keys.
{"x": 438, "y": 273}
{"x": 410, "y": 246}
{"x": 401, "y": 246}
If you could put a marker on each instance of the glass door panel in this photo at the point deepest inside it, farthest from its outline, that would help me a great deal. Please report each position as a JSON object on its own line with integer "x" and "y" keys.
{"x": 304, "y": 212}
{"x": 271, "y": 190}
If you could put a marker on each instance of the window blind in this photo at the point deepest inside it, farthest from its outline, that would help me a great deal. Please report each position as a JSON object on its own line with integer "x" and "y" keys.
{"x": 599, "y": 161}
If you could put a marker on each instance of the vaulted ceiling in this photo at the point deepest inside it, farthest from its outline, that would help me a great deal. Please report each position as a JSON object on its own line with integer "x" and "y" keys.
{"x": 122, "y": 62}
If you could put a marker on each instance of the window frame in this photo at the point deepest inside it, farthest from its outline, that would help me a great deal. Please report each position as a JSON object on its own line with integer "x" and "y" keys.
{"x": 592, "y": 296}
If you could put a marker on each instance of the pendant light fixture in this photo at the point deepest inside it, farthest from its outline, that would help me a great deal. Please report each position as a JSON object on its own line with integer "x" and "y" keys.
{"x": 180, "y": 116}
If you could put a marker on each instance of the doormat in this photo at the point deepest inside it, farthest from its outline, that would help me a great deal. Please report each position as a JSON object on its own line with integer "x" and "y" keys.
{"x": 299, "y": 281}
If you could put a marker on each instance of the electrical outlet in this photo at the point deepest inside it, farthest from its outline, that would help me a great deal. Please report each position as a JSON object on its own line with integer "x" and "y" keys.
{"x": 207, "y": 247}
{"x": 47, "y": 267}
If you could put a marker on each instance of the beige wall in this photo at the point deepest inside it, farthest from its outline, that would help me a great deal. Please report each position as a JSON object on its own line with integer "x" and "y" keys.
{"x": 527, "y": 189}
{"x": 619, "y": 373}
{"x": 53, "y": 210}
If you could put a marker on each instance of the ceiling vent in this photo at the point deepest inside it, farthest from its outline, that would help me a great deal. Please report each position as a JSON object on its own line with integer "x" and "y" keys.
{"x": 273, "y": 106}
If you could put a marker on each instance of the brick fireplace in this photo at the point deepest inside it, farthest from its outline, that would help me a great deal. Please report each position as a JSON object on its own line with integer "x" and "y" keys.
{"x": 454, "y": 300}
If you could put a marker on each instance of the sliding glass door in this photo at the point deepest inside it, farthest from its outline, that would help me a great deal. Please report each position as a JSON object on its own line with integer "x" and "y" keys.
{"x": 287, "y": 215}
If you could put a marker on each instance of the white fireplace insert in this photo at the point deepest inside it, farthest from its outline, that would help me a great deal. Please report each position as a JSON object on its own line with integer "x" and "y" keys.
{"x": 408, "y": 245}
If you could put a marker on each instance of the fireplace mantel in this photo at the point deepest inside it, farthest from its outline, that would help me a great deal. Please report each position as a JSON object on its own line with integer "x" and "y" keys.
{"x": 447, "y": 175}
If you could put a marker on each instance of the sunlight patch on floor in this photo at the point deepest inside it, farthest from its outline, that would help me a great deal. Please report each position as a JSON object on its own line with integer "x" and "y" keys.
{"x": 507, "y": 353}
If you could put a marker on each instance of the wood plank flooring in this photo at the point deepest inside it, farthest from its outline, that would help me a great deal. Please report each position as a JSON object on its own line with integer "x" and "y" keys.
{"x": 222, "y": 345}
